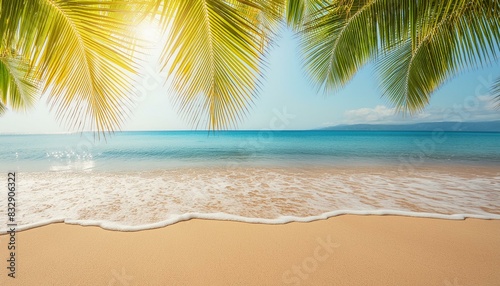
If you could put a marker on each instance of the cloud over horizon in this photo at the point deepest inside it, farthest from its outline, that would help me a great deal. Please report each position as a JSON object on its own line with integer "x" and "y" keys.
{"x": 478, "y": 108}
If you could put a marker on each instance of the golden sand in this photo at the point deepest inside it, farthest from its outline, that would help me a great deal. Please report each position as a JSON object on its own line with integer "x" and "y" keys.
{"x": 344, "y": 250}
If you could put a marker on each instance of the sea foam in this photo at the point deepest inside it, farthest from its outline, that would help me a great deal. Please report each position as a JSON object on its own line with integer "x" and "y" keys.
{"x": 131, "y": 201}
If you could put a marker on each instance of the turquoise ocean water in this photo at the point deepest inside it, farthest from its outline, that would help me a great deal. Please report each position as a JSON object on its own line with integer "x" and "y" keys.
{"x": 141, "y": 180}
{"x": 135, "y": 151}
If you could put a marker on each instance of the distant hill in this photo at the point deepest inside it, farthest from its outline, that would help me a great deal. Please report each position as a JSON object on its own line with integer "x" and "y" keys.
{"x": 484, "y": 126}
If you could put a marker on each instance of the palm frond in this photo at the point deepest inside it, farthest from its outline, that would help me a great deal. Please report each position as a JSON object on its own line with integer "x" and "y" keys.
{"x": 342, "y": 37}
{"x": 82, "y": 50}
{"x": 214, "y": 54}
{"x": 464, "y": 38}
{"x": 266, "y": 16}
{"x": 297, "y": 11}
{"x": 418, "y": 45}
{"x": 18, "y": 89}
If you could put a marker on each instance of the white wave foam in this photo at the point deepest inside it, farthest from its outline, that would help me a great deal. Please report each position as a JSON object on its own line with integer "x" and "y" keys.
{"x": 144, "y": 200}
{"x": 228, "y": 217}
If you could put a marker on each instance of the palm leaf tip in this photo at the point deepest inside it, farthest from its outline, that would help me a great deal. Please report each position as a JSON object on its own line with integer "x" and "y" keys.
{"x": 417, "y": 45}
{"x": 495, "y": 90}
{"x": 214, "y": 54}
{"x": 338, "y": 39}
{"x": 18, "y": 87}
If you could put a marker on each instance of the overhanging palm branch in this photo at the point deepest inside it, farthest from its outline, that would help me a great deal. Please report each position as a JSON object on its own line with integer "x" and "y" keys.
{"x": 297, "y": 11}
{"x": 418, "y": 45}
{"x": 214, "y": 54}
{"x": 265, "y": 15}
{"x": 81, "y": 50}
{"x": 17, "y": 88}
{"x": 465, "y": 37}
{"x": 339, "y": 38}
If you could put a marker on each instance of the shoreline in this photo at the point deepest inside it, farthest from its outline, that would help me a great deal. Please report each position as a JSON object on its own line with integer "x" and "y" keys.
{"x": 342, "y": 250}
{"x": 134, "y": 201}
{"x": 110, "y": 226}
{"x": 403, "y": 165}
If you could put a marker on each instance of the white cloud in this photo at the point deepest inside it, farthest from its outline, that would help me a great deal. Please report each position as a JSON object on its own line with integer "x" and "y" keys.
{"x": 379, "y": 114}
{"x": 480, "y": 108}
{"x": 489, "y": 102}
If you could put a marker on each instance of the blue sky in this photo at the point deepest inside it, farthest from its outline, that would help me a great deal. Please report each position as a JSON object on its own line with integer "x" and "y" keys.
{"x": 289, "y": 101}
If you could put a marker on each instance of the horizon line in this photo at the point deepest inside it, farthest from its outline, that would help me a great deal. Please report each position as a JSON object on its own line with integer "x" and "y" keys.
{"x": 258, "y": 130}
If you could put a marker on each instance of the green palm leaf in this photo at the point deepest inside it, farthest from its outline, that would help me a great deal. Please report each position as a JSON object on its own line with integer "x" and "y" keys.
{"x": 18, "y": 89}
{"x": 265, "y": 15}
{"x": 298, "y": 11}
{"x": 214, "y": 54}
{"x": 340, "y": 38}
{"x": 82, "y": 52}
{"x": 466, "y": 37}
{"x": 418, "y": 45}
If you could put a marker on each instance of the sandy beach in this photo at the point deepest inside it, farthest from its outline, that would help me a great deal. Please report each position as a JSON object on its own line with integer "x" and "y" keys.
{"x": 249, "y": 143}
{"x": 343, "y": 250}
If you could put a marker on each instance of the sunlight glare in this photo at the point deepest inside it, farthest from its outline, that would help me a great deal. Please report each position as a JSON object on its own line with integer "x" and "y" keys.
{"x": 150, "y": 32}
